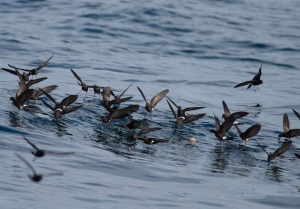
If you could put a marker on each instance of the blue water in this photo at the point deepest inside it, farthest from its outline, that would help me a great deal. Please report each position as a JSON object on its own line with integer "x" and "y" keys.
{"x": 198, "y": 50}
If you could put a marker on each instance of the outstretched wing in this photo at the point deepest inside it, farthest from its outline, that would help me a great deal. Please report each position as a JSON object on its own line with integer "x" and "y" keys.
{"x": 286, "y": 123}
{"x": 71, "y": 109}
{"x": 142, "y": 94}
{"x": 193, "y": 118}
{"x": 172, "y": 109}
{"x": 252, "y": 131}
{"x": 78, "y": 78}
{"x": 125, "y": 91}
{"x": 29, "y": 142}
{"x": 284, "y": 147}
{"x": 226, "y": 109}
{"x": 257, "y": 76}
{"x": 69, "y": 100}
{"x": 243, "y": 84}
{"x": 158, "y": 97}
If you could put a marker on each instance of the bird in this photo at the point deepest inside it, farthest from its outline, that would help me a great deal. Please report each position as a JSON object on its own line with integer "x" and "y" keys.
{"x": 107, "y": 103}
{"x": 41, "y": 153}
{"x": 249, "y": 133}
{"x": 119, "y": 97}
{"x": 22, "y": 98}
{"x": 134, "y": 136}
{"x": 64, "y": 103}
{"x": 297, "y": 114}
{"x": 183, "y": 112}
{"x": 254, "y": 82}
{"x": 150, "y": 141}
{"x": 287, "y": 132}
{"x": 33, "y": 71}
{"x": 221, "y": 130}
{"x": 132, "y": 124}
{"x": 61, "y": 111}
{"x": 25, "y": 76}
{"x": 272, "y": 156}
{"x": 39, "y": 93}
{"x": 150, "y": 106}
{"x": 182, "y": 120}
{"x": 118, "y": 114}
{"x": 97, "y": 90}
{"x": 84, "y": 87}
{"x": 36, "y": 177}
{"x": 227, "y": 113}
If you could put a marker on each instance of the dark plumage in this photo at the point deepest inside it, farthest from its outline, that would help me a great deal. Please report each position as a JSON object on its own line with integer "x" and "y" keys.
{"x": 150, "y": 106}
{"x": 33, "y": 71}
{"x": 39, "y": 92}
{"x": 22, "y": 98}
{"x": 64, "y": 103}
{"x": 227, "y": 113}
{"x": 36, "y": 177}
{"x": 132, "y": 124}
{"x": 272, "y": 156}
{"x": 107, "y": 103}
{"x": 182, "y": 112}
{"x": 287, "y": 133}
{"x": 41, "y": 153}
{"x": 61, "y": 111}
{"x": 118, "y": 114}
{"x": 97, "y": 89}
{"x": 119, "y": 97}
{"x": 254, "y": 82}
{"x": 133, "y": 135}
{"x": 221, "y": 130}
{"x": 147, "y": 140}
{"x": 25, "y": 76}
{"x": 84, "y": 87}
{"x": 182, "y": 120}
{"x": 249, "y": 133}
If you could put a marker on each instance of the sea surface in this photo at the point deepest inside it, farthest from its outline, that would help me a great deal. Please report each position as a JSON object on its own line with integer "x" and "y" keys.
{"x": 199, "y": 50}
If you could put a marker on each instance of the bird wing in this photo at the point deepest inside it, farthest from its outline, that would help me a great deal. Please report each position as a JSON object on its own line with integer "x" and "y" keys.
{"x": 116, "y": 101}
{"x": 60, "y": 153}
{"x": 78, "y": 78}
{"x": 106, "y": 93}
{"x": 172, "y": 102}
{"x": 125, "y": 90}
{"x": 69, "y": 100}
{"x": 158, "y": 97}
{"x": 49, "y": 96}
{"x": 158, "y": 140}
{"x": 71, "y": 109}
{"x": 144, "y": 131}
{"x": 261, "y": 147}
{"x": 226, "y": 109}
{"x": 192, "y": 108}
{"x": 9, "y": 71}
{"x": 45, "y": 63}
{"x": 29, "y": 142}
{"x": 243, "y": 84}
{"x": 286, "y": 123}
{"x": 252, "y": 131}
{"x": 257, "y": 76}
{"x": 284, "y": 147}
{"x": 49, "y": 106}
{"x": 297, "y": 114}
{"x": 22, "y": 84}
{"x": 237, "y": 115}
{"x": 172, "y": 110}
{"x": 125, "y": 127}
{"x": 26, "y": 95}
{"x": 46, "y": 89}
{"x": 142, "y": 94}
{"x": 121, "y": 113}
{"x": 217, "y": 122}
{"x": 25, "y": 161}
{"x": 31, "y": 82}
{"x": 193, "y": 118}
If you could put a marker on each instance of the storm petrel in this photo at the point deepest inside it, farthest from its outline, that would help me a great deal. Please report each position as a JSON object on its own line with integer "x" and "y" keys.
{"x": 272, "y": 156}
{"x": 227, "y": 113}
{"x": 182, "y": 112}
{"x": 249, "y": 133}
{"x": 150, "y": 106}
{"x": 134, "y": 136}
{"x": 84, "y": 87}
{"x": 287, "y": 132}
{"x": 254, "y": 82}
{"x": 36, "y": 177}
{"x": 39, "y": 93}
{"x": 182, "y": 120}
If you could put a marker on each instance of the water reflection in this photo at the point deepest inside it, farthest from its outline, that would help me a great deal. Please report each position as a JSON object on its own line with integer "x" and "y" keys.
{"x": 275, "y": 173}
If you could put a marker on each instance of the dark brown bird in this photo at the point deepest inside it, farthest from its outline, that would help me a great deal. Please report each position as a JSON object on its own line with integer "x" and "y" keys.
{"x": 107, "y": 103}
{"x": 64, "y": 103}
{"x": 118, "y": 114}
{"x": 183, "y": 112}
{"x": 84, "y": 87}
{"x": 134, "y": 136}
{"x": 254, "y": 82}
{"x": 150, "y": 106}
{"x": 41, "y": 153}
{"x": 25, "y": 76}
{"x": 272, "y": 156}
{"x": 36, "y": 177}
{"x": 227, "y": 114}
{"x": 182, "y": 120}
{"x": 97, "y": 90}
{"x": 287, "y": 133}
{"x": 132, "y": 124}
{"x": 119, "y": 97}
{"x": 39, "y": 93}
{"x": 149, "y": 141}
{"x": 221, "y": 130}
{"x": 249, "y": 133}
{"x": 33, "y": 71}
{"x": 61, "y": 111}
{"x": 22, "y": 98}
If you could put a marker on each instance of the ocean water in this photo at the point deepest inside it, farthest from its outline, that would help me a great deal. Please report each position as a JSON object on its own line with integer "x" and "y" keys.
{"x": 199, "y": 50}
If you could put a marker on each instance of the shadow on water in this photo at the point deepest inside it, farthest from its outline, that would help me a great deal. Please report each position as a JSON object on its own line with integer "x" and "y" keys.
{"x": 275, "y": 173}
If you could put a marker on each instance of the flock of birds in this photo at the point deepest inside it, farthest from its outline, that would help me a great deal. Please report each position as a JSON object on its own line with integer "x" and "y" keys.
{"x": 25, "y": 93}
